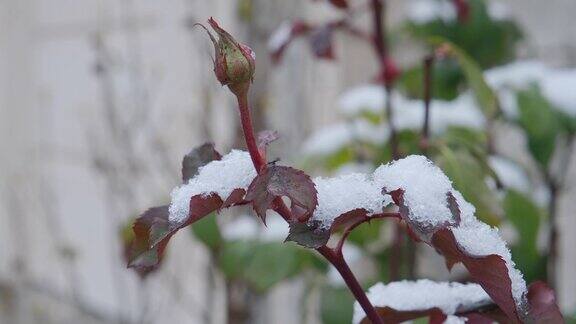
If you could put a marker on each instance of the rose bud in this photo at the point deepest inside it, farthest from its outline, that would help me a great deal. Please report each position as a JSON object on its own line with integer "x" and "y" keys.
{"x": 234, "y": 63}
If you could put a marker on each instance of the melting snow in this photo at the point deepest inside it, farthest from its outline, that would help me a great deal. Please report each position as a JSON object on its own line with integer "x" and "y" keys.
{"x": 234, "y": 171}
{"x": 422, "y": 295}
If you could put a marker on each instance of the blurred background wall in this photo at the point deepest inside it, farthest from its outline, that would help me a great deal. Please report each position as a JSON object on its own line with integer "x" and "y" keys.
{"x": 100, "y": 99}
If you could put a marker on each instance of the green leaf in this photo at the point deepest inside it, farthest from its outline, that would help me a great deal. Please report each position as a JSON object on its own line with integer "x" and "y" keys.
{"x": 339, "y": 158}
{"x": 336, "y": 306}
{"x": 540, "y": 123}
{"x": 366, "y": 233}
{"x": 467, "y": 138}
{"x": 525, "y": 216}
{"x": 473, "y": 73}
{"x": 264, "y": 264}
{"x": 468, "y": 176}
{"x": 310, "y": 235}
{"x": 446, "y": 79}
{"x": 207, "y": 231}
{"x": 489, "y": 41}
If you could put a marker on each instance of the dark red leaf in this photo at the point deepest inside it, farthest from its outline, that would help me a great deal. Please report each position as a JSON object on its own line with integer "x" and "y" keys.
{"x": 198, "y": 157}
{"x": 321, "y": 42}
{"x": 145, "y": 256}
{"x": 127, "y": 236}
{"x": 489, "y": 271}
{"x": 153, "y": 229}
{"x": 542, "y": 304}
{"x": 342, "y": 4}
{"x": 309, "y": 235}
{"x": 277, "y": 181}
{"x": 390, "y": 315}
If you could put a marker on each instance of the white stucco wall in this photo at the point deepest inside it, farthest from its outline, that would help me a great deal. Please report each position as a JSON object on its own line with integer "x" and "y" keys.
{"x": 64, "y": 172}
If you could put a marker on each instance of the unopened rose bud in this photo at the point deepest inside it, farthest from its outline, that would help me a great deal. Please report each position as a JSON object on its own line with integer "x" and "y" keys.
{"x": 234, "y": 63}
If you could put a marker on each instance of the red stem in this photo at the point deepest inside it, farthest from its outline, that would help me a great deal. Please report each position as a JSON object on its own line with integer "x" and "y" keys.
{"x": 334, "y": 257}
{"x": 337, "y": 260}
{"x": 248, "y": 129}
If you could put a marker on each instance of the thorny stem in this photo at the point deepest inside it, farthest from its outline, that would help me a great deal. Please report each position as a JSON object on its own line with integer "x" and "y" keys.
{"x": 335, "y": 257}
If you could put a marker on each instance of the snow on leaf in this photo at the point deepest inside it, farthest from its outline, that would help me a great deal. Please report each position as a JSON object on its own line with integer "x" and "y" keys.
{"x": 277, "y": 181}
{"x": 341, "y": 197}
{"x": 197, "y": 158}
{"x": 223, "y": 177}
{"x": 490, "y": 271}
{"x": 424, "y": 191}
{"x": 218, "y": 184}
{"x": 441, "y": 217}
{"x": 310, "y": 235}
{"x": 406, "y": 300}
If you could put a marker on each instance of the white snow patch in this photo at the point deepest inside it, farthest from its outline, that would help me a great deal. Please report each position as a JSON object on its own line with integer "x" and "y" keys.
{"x": 370, "y": 97}
{"x": 498, "y": 10}
{"x": 510, "y": 173}
{"x": 559, "y": 87}
{"x": 424, "y": 11}
{"x": 332, "y": 138}
{"x": 463, "y": 111}
{"x": 425, "y": 188}
{"x": 342, "y": 194}
{"x": 280, "y": 36}
{"x": 248, "y": 227}
{"x": 516, "y": 75}
{"x": 423, "y": 294}
{"x": 234, "y": 171}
